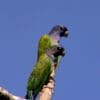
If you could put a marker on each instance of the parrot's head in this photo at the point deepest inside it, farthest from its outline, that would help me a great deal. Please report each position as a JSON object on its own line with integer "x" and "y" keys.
{"x": 59, "y": 31}
{"x": 60, "y": 51}
{"x": 57, "y": 51}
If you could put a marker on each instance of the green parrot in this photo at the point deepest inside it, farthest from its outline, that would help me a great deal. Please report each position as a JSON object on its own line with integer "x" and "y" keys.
{"x": 41, "y": 72}
{"x": 52, "y": 38}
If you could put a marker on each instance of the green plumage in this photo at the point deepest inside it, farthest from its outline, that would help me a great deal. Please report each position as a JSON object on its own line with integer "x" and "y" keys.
{"x": 40, "y": 74}
{"x": 45, "y": 43}
{"x": 43, "y": 68}
{"x": 45, "y": 64}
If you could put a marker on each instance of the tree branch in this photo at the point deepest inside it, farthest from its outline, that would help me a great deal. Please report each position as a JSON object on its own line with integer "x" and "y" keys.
{"x": 5, "y": 95}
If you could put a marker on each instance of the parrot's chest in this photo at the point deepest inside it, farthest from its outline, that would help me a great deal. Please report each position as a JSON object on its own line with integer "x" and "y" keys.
{"x": 54, "y": 42}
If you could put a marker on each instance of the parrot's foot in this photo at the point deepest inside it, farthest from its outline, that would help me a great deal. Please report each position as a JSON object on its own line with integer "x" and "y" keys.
{"x": 45, "y": 86}
{"x": 51, "y": 79}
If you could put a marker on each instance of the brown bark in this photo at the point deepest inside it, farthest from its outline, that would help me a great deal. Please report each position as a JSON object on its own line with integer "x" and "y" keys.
{"x": 5, "y": 95}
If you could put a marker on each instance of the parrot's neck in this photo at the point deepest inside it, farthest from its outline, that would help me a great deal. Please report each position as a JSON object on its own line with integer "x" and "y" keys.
{"x": 51, "y": 56}
{"x": 55, "y": 38}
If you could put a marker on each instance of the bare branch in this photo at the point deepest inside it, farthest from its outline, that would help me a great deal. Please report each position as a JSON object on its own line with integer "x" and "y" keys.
{"x": 5, "y": 95}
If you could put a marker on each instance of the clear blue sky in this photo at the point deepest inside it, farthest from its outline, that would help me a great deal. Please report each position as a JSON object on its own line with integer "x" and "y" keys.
{"x": 22, "y": 22}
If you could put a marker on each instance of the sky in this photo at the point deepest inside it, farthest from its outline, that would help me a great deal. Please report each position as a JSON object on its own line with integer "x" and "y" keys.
{"x": 23, "y": 22}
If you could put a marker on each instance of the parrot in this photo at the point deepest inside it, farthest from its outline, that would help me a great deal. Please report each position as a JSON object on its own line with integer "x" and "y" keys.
{"x": 52, "y": 38}
{"x": 42, "y": 70}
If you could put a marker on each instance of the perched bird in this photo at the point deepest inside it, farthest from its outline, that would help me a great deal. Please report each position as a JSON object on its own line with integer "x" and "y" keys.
{"x": 52, "y": 38}
{"x": 41, "y": 72}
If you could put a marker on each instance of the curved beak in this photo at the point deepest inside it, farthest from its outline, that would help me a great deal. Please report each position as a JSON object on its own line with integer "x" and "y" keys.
{"x": 66, "y": 33}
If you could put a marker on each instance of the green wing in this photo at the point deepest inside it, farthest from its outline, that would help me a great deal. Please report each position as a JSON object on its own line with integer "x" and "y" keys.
{"x": 40, "y": 74}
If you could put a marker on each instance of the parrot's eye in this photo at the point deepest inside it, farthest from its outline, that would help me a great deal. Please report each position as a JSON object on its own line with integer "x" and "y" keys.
{"x": 61, "y": 28}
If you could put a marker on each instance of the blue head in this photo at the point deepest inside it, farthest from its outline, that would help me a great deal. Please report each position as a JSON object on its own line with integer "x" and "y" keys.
{"x": 59, "y": 31}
